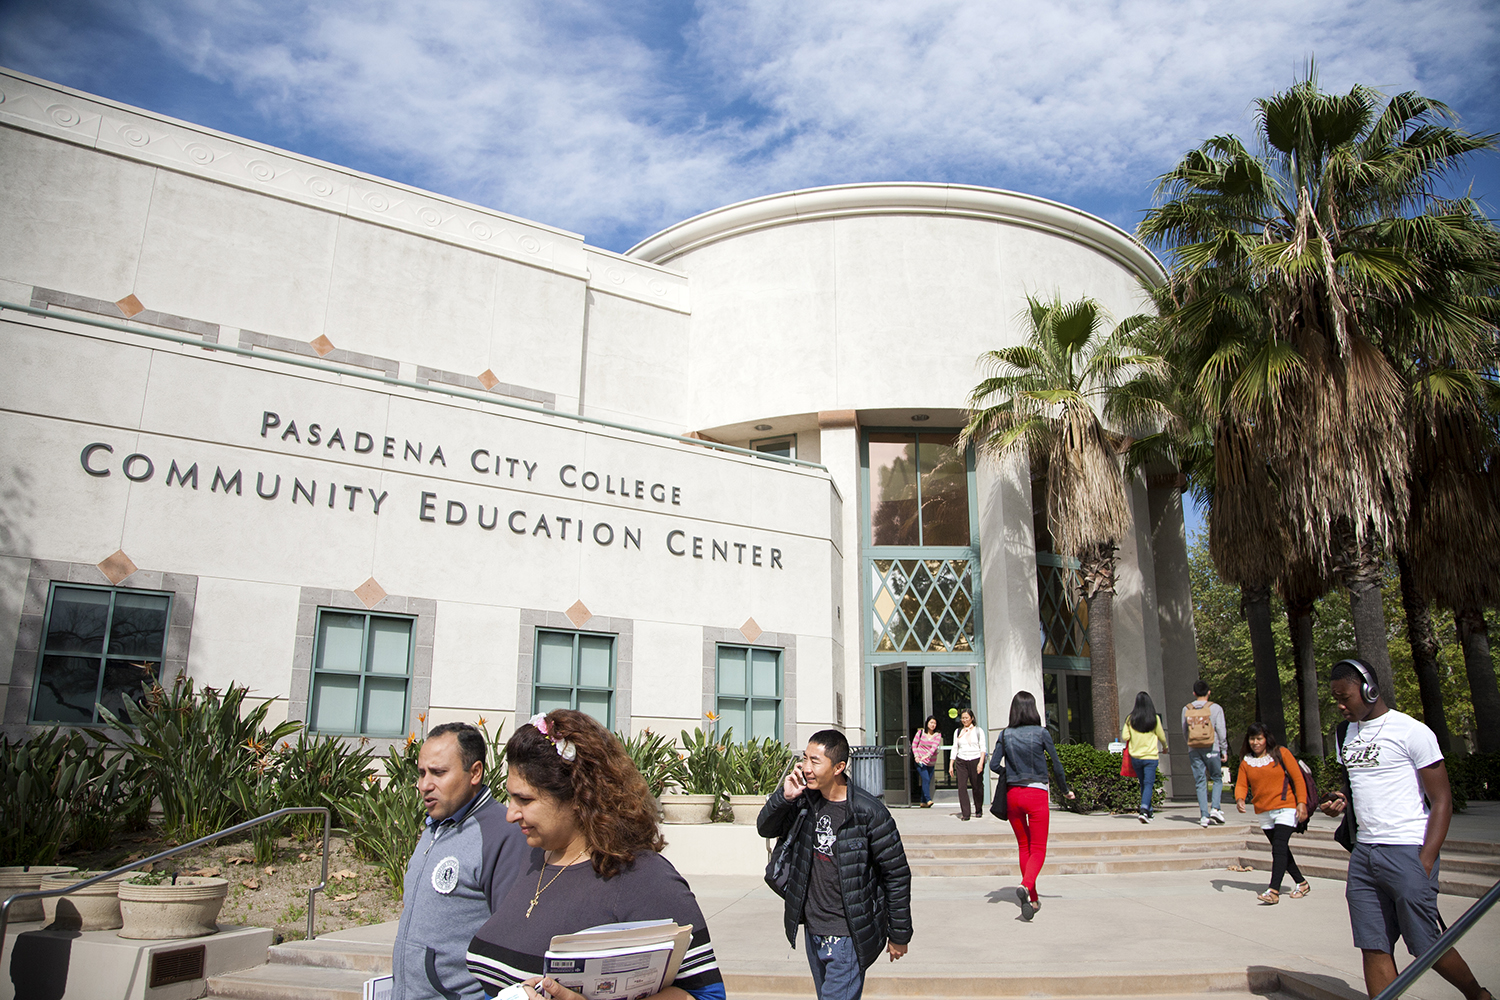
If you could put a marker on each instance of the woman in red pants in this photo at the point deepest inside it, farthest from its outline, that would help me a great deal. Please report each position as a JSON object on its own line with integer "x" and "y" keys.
{"x": 1024, "y": 747}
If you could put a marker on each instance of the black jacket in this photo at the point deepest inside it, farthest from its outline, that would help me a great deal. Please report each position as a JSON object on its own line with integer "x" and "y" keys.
{"x": 1026, "y": 749}
{"x": 873, "y": 874}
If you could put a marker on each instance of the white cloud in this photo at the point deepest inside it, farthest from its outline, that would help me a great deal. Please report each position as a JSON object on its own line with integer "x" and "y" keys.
{"x": 595, "y": 116}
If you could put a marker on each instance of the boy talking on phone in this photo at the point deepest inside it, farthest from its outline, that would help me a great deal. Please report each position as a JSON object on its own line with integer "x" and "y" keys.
{"x": 849, "y": 883}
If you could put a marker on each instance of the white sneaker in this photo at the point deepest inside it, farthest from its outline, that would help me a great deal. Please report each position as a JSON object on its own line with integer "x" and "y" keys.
{"x": 1204, "y": 822}
{"x": 1143, "y": 817}
{"x": 1216, "y": 816}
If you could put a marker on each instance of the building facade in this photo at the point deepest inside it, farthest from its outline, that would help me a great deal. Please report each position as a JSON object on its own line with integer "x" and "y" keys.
{"x": 390, "y": 459}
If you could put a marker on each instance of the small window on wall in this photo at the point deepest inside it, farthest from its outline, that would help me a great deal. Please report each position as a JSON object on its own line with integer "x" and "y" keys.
{"x": 575, "y": 670}
{"x": 749, "y": 692}
{"x": 785, "y": 446}
{"x": 361, "y": 673}
{"x": 100, "y": 646}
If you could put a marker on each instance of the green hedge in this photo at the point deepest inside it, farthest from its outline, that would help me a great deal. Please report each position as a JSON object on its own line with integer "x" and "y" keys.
{"x": 1094, "y": 777}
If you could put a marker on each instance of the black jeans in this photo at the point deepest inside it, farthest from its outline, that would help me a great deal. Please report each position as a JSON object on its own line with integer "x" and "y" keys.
{"x": 1282, "y": 861}
{"x": 967, "y": 772}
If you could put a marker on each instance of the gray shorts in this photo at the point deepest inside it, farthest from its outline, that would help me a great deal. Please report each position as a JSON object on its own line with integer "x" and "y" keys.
{"x": 1390, "y": 896}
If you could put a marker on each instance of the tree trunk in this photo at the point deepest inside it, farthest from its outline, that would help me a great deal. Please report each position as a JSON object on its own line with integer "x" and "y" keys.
{"x": 1361, "y": 575}
{"x": 1098, "y": 573}
{"x": 1424, "y": 648}
{"x": 1474, "y": 636}
{"x": 1255, "y": 605}
{"x": 1309, "y": 712}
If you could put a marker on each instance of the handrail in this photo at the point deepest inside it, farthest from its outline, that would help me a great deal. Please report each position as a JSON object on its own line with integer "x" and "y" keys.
{"x": 1440, "y": 947}
{"x": 288, "y": 811}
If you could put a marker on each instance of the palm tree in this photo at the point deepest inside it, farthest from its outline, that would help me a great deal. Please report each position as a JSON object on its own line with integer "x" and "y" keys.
{"x": 1295, "y": 242}
{"x": 1046, "y": 396}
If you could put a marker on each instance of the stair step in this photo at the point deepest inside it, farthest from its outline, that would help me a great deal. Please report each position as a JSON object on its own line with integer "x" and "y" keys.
{"x": 1123, "y": 985}
{"x": 290, "y": 982}
{"x": 1078, "y": 866}
{"x": 1451, "y": 883}
{"x": 1227, "y": 845}
{"x": 332, "y": 953}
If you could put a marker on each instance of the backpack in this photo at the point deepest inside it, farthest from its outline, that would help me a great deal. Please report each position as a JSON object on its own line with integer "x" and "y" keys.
{"x": 1307, "y": 779}
{"x": 1200, "y": 726}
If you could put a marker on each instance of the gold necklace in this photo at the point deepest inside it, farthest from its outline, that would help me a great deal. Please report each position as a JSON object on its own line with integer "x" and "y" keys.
{"x": 543, "y": 888}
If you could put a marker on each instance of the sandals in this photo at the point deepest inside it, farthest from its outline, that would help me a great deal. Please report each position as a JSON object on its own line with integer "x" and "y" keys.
{"x": 1303, "y": 888}
{"x": 1270, "y": 897}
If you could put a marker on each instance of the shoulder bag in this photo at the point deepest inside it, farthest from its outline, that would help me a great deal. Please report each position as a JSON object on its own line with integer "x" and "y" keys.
{"x": 1348, "y": 826}
{"x": 998, "y": 807}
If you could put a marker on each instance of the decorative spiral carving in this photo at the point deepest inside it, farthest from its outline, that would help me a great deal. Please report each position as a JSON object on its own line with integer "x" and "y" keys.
{"x": 657, "y": 285}
{"x": 430, "y": 216}
{"x": 615, "y": 275}
{"x": 320, "y": 186}
{"x": 199, "y": 153}
{"x": 377, "y": 201}
{"x": 134, "y": 136}
{"x": 480, "y": 231}
{"x": 64, "y": 115}
{"x": 2, "y": 97}
{"x": 530, "y": 244}
{"x": 261, "y": 170}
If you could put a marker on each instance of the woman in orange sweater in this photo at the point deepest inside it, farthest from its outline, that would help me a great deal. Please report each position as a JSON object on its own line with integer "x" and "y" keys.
{"x": 1272, "y": 779}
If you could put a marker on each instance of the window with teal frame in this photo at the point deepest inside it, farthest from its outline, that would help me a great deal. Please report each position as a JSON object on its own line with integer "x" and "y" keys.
{"x": 361, "y": 673}
{"x": 748, "y": 692}
{"x": 575, "y": 670}
{"x": 100, "y": 645}
{"x": 1064, "y": 613}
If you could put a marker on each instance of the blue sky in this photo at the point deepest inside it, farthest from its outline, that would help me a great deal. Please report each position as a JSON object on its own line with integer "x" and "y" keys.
{"x": 615, "y": 119}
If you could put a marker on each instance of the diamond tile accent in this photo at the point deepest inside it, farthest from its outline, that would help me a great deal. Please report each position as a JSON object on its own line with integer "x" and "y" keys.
{"x": 750, "y": 630}
{"x": 370, "y": 593}
{"x": 488, "y": 380}
{"x": 322, "y": 345}
{"x": 130, "y": 305}
{"x": 117, "y": 567}
{"x": 578, "y": 614}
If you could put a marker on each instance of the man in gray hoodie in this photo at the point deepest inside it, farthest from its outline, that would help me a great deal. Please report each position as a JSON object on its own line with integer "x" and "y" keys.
{"x": 1208, "y": 750}
{"x": 465, "y": 861}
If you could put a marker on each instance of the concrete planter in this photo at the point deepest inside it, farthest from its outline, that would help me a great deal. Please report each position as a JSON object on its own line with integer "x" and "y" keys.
{"x": 683, "y": 808}
{"x": 17, "y": 879}
{"x": 188, "y": 909}
{"x": 92, "y": 908}
{"x": 746, "y": 808}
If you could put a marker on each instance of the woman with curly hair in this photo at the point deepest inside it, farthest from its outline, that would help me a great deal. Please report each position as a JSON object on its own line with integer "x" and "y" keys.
{"x": 595, "y": 859}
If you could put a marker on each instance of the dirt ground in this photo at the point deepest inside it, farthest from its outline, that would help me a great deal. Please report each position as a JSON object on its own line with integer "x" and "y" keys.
{"x": 273, "y": 895}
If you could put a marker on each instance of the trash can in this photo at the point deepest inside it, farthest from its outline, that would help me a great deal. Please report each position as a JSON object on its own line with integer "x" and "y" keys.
{"x": 867, "y": 769}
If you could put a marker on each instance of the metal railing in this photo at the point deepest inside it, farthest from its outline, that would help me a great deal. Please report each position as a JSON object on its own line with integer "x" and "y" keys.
{"x": 1450, "y": 937}
{"x": 248, "y": 824}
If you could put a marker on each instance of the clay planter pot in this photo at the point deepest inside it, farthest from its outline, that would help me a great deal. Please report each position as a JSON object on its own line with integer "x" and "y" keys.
{"x": 93, "y": 908}
{"x": 746, "y": 808}
{"x": 17, "y": 879}
{"x": 682, "y": 808}
{"x": 188, "y": 909}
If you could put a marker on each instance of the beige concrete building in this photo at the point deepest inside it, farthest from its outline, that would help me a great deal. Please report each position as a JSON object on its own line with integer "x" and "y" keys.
{"x": 392, "y": 459}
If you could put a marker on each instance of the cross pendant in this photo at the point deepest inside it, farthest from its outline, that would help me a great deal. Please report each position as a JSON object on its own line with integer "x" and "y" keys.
{"x": 530, "y": 908}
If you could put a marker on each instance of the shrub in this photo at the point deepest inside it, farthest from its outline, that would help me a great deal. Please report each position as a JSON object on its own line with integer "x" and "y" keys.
{"x": 35, "y": 786}
{"x": 703, "y": 761}
{"x": 755, "y": 767}
{"x": 1094, "y": 777}
{"x": 656, "y": 757}
{"x": 384, "y": 819}
{"x": 321, "y": 771}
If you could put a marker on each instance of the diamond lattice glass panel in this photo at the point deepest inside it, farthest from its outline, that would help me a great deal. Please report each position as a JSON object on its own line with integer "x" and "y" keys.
{"x": 390, "y": 646}
{"x": 385, "y": 706}
{"x": 554, "y": 660}
{"x": 340, "y": 642}
{"x": 335, "y": 704}
{"x": 930, "y": 605}
{"x": 139, "y": 625}
{"x": 765, "y": 677}
{"x": 945, "y": 490}
{"x": 893, "y": 490}
{"x": 77, "y": 623}
{"x": 593, "y": 660}
{"x": 65, "y": 689}
{"x": 595, "y": 703}
{"x": 731, "y": 671}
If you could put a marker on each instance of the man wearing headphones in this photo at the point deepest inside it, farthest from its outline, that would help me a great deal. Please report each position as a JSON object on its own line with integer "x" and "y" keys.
{"x": 1401, "y": 808}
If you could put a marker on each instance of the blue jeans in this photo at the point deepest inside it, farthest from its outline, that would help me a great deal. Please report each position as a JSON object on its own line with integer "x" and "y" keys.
{"x": 835, "y": 968}
{"x": 924, "y": 772}
{"x": 1146, "y": 771}
{"x": 1208, "y": 769}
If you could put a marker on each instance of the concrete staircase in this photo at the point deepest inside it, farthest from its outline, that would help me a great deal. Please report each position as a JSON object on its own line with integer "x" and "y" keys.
{"x": 323, "y": 969}
{"x": 1079, "y": 852}
{"x": 1469, "y": 867}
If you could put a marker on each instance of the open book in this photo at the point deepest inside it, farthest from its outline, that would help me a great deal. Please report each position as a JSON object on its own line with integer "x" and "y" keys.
{"x": 619, "y": 961}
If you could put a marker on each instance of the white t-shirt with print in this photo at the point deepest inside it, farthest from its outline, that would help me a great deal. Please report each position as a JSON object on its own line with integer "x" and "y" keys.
{"x": 1383, "y": 756}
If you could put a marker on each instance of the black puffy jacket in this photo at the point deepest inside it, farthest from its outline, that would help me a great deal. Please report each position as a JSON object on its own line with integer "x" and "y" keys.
{"x": 873, "y": 874}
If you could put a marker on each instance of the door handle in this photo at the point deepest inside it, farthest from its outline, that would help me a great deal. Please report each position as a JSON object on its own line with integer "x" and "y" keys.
{"x": 901, "y": 745}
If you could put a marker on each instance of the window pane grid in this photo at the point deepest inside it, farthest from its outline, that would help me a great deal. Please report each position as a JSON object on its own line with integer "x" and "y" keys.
{"x": 99, "y": 646}
{"x": 361, "y": 673}
{"x": 748, "y": 695}
{"x": 575, "y": 670}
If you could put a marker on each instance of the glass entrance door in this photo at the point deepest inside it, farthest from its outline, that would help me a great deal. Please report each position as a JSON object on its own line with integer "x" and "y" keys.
{"x": 893, "y": 729}
{"x": 948, "y": 691}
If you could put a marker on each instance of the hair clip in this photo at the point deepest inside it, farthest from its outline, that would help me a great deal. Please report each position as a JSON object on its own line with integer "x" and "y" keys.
{"x": 565, "y": 748}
